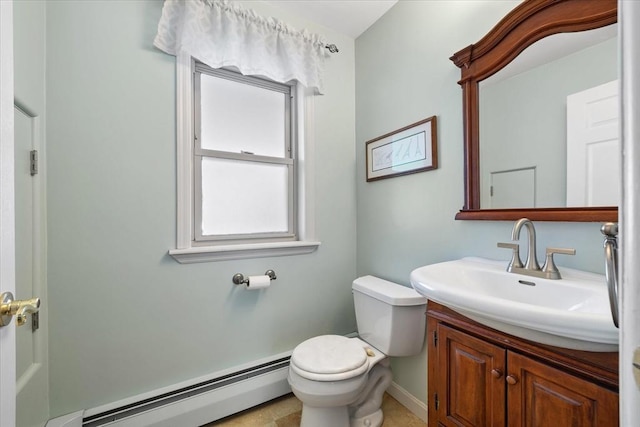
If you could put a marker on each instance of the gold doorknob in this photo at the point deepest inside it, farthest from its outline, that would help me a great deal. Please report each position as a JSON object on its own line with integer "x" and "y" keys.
{"x": 10, "y": 307}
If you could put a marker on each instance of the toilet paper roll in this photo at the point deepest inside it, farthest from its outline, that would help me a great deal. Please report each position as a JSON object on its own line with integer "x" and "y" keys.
{"x": 258, "y": 282}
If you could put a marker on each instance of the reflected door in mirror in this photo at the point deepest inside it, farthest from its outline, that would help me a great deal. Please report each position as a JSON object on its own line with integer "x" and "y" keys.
{"x": 593, "y": 147}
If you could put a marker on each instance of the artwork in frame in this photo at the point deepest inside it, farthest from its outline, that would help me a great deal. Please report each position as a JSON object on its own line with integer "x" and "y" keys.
{"x": 408, "y": 150}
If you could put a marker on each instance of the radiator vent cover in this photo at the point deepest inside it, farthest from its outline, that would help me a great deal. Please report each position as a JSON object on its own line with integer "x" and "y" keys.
{"x": 126, "y": 411}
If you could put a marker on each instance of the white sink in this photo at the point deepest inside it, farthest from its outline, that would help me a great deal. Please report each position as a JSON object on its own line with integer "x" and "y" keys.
{"x": 572, "y": 312}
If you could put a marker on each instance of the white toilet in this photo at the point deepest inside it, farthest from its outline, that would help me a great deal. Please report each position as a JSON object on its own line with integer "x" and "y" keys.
{"x": 340, "y": 380}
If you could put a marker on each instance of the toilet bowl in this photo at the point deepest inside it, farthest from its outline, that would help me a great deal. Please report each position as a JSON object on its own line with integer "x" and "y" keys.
{"x": 341, "y": 381}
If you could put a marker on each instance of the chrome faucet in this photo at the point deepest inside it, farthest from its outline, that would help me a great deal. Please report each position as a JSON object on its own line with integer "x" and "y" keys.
{"x": 532, "y": 259}
{"x": 531, "y": 267}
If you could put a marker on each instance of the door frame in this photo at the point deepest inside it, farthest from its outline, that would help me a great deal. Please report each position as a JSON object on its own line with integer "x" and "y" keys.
{"x": 7, "y": 220}
{"x": 629, "y": 15}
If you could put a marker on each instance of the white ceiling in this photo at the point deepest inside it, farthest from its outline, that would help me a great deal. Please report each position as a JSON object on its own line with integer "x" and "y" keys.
{"x": 350, "y": 17}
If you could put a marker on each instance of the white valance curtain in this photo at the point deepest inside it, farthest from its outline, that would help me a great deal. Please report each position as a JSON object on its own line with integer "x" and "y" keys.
{"x": 220, "y": 33}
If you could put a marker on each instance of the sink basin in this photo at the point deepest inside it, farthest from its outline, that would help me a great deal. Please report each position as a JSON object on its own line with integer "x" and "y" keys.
{"x": 572, "y": 312}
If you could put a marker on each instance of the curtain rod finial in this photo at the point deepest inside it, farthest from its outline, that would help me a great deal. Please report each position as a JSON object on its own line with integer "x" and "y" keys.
{"x": 332, "y": 48}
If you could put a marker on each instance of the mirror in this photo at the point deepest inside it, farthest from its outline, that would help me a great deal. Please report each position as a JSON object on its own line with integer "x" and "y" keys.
{"x": 511, "y": 155}
{"x": 527, "y": 101}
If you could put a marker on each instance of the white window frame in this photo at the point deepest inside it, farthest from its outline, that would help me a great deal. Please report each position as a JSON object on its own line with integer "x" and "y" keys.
{"x": 187, "y": 249}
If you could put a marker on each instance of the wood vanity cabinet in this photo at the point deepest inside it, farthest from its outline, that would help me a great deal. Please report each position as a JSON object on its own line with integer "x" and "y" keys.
{"x": 481, "y": 377}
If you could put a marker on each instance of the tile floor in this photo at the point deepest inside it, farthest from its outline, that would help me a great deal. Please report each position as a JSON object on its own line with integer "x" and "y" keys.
{"x": 285, "y": 412}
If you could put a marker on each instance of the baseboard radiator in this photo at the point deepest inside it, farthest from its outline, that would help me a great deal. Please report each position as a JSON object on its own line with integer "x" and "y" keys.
{"x": 196, "y": 404}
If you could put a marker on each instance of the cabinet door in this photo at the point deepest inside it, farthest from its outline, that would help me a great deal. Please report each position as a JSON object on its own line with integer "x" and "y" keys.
{"x": 541, "y": 396}
{"x": 471, "y": 385}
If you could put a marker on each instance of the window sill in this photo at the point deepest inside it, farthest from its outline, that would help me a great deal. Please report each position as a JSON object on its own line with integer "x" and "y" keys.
{"x": 231, "y": 252}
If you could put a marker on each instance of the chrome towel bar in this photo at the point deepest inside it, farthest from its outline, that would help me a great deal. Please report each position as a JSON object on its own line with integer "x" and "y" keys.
{"x": 610, "y": 231}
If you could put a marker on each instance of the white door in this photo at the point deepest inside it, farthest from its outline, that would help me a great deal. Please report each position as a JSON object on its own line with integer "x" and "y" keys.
{"x": 7, "y": 230}
{"x": 32, "y": 404}
{"x": 513, "y": 188}
{"x": 27, "y": 402}
{"x": 593, "y": 145}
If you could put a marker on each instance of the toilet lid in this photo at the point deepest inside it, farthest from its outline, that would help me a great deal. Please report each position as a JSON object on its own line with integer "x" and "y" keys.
{"x": 329, "y": 358}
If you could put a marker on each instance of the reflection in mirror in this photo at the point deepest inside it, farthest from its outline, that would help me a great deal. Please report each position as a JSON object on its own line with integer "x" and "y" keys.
{"x": 524, "y": 125}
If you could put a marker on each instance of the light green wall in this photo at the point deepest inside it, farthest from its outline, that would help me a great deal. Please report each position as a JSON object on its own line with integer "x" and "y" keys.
{"x": 534, "y": 105}
{"x": 125, "y": 318}
{"x": 403, "y": 74}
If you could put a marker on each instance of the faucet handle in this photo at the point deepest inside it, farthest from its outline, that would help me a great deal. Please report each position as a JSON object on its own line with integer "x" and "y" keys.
{"x": 515, "y": 257}
{"x": 561, "y": 251}
{"x": 549, "y": 268}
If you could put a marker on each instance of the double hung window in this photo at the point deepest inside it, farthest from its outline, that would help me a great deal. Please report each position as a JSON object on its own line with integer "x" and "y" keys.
{"x": 245, "y": 185}
{"x": 244, "y": 158}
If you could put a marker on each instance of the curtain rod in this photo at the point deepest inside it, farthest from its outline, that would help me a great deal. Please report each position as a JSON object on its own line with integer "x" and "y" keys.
{"x": 332, "y": 48}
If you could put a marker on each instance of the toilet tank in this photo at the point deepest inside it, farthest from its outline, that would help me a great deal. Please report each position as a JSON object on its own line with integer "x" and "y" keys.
{"x": 390, "y": 317}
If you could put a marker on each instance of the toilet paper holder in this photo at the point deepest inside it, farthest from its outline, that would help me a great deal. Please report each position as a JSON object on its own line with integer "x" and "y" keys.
{"x": 240, "y": 279}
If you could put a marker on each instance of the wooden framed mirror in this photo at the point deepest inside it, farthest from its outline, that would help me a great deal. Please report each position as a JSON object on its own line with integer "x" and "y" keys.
{"x": 528, "y": 23}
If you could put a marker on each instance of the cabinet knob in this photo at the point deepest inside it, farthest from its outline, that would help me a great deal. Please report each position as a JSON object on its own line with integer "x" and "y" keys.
{"x": 496, "y": 373}
{"x": 511, "y": 379}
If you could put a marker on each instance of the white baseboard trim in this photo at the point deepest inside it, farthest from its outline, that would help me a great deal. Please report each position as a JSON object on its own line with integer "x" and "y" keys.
{"x": 409, "y": 401}
{"x": 70, "y": 420}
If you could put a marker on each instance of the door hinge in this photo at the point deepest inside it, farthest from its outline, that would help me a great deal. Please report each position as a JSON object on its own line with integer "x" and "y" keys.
{"x": 491, "y": 191}
{"x": 436, "y": 401}
{"x": 435, "y": 338}
{"x": 33, "y": 162}
{"x": 35, "y": 321}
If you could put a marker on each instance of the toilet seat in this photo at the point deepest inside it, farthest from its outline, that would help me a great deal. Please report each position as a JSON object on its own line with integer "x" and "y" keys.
{"x": 329, "y": 358}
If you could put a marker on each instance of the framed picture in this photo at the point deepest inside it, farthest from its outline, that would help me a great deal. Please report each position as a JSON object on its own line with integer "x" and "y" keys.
{"x": 412, "y": 149}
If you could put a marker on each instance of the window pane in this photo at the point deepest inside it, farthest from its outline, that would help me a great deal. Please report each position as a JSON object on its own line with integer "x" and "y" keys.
{"x": 243, "y": 197}
{"x": 240, "y": 117}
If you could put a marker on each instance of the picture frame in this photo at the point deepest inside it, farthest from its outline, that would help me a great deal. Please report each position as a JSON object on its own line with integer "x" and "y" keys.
{"x": 411, "y": 149}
